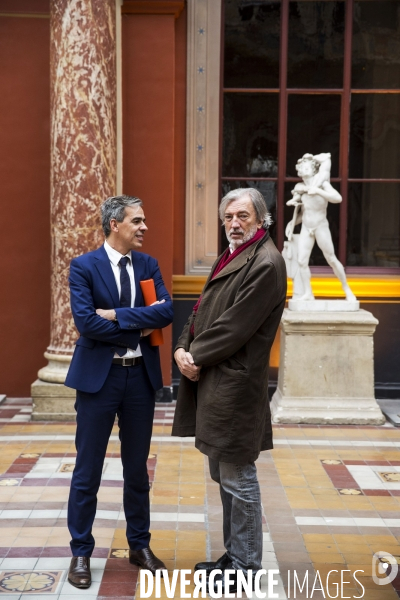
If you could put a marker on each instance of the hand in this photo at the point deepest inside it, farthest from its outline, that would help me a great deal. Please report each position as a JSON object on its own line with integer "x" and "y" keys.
{"x": 106, "y": 314}
{"x": 293, "y": 202}
{"x": 313, "y": 190}
{"x": 146, "y": 332}
{"x": 186, "y": 365}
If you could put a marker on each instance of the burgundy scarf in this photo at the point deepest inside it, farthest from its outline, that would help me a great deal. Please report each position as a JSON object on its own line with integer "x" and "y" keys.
{"x": 226, "y": 258}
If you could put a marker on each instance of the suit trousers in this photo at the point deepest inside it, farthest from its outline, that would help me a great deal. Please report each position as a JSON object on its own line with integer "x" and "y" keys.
{"x": 127, "y": 393}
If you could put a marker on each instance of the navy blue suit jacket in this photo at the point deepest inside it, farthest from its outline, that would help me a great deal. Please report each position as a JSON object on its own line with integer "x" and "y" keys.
{"x": 92, "y": 285}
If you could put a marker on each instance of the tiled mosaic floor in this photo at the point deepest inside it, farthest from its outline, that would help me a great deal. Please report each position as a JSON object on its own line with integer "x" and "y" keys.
{"x": 330, "y": 496}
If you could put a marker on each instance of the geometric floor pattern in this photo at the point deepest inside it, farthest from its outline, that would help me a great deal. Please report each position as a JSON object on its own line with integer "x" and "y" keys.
{"x": 330, "y": 498}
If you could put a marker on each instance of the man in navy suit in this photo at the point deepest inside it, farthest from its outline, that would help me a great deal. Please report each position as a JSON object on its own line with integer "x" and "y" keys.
{"x": 115, "y": 371}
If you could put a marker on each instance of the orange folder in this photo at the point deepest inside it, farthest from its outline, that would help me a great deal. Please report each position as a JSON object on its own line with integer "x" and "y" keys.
{"x": 149, "y": 295}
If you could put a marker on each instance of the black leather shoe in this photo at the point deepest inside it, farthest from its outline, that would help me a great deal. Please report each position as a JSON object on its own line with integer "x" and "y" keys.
{"x": 222, "y": 563}
{"x": 146, "y": 559}
{"x": 79, "y": 574}
{"x": 232, "y": 587}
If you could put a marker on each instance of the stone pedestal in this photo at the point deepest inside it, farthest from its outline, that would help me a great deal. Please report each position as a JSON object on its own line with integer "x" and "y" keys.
{"x": 83, "y": 170}
{"x": 326, "y": 369}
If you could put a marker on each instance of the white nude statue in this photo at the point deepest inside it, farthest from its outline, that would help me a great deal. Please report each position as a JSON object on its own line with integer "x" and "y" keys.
{"x": 310, "y": 200}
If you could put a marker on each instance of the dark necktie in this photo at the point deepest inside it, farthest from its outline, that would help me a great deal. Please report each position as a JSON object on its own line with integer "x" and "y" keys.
{"x": 125, "y": 298}
{"x": 126, "y": 293}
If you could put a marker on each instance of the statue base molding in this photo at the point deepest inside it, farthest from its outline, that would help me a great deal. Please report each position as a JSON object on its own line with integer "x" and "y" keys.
{"x": 324, "y": 305}
{"x": 52, "y": 402}
{"x": 326, "y": 370}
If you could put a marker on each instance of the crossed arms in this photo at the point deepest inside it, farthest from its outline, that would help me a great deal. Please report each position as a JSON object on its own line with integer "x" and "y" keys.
{"x": 125, "y": 332}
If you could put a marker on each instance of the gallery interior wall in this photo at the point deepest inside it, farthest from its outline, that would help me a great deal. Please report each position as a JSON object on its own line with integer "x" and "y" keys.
{"x": 153, "y": 98}
{"x": 24, "y": 198}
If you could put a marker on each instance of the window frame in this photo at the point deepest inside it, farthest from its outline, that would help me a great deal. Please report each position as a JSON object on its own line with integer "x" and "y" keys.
{"x": 284, "y": 92}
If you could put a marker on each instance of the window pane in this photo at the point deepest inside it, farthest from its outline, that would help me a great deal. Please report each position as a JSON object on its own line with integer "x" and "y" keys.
{"x": 267, "y": 189}
{"x": 316, "y": 43}
{"x": 313, "y": 126}
{"x": 375, "y": 136}
{"x": 317, "y": 258}
{"x": 373, "y": 225}
{"x": 376, "y": 44}
{"x": 250, "y": 145}
{"x": 252, "y": 32}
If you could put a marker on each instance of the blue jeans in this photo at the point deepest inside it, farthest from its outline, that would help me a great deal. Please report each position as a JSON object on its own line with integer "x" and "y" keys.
{"x": 242, "y": 516}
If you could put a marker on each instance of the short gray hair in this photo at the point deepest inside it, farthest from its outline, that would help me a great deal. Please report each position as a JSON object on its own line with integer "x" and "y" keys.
{"x": 257, "y": 199}
{"x": 114, "y": 208}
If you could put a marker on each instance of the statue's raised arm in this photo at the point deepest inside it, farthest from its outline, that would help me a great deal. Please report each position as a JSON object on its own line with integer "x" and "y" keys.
{"x": 310, "y": 199}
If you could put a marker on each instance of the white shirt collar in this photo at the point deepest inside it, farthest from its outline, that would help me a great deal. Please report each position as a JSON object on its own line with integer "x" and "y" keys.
{"x": 114, "y": 255}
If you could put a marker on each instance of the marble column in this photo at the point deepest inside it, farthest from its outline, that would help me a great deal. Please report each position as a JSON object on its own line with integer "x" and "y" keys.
{"x": 83, "y": 167}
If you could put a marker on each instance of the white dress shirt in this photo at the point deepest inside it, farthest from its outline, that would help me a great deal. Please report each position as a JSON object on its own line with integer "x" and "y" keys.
{"x": 115, "y": 257}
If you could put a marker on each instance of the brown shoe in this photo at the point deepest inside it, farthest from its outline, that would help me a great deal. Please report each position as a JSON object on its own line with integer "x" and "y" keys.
{"x": 146, "y": 559}
{"x": 79, "y": 572}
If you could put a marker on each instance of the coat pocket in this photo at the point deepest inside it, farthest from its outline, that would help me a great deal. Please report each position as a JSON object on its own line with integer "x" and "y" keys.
{"x": 231, "y": 383}
{"x": 217, "y": 404}
{"x": 237, "y": 374}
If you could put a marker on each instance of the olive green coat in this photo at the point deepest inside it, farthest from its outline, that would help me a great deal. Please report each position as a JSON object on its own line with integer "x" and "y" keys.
{"x": 234, "y": 329}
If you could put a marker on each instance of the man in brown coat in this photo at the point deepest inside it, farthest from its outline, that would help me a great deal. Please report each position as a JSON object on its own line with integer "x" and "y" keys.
{"x": 223, "y": 355}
